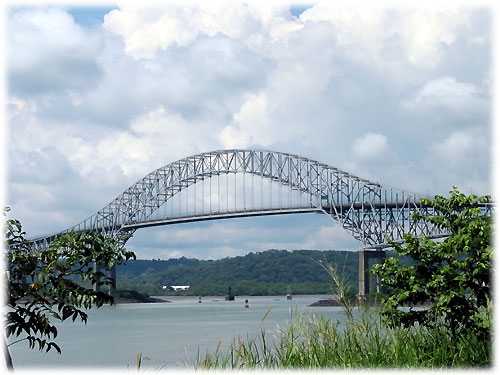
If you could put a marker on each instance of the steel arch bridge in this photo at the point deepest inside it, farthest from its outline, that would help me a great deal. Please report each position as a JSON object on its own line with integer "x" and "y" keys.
{"x": 369, "y": 212}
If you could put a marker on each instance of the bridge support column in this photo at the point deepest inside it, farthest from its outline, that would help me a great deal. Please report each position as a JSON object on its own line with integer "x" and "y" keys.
{"x": 364, "y": 275}
{"x": 97, "y": 268}
{"x": 112, "y": 275}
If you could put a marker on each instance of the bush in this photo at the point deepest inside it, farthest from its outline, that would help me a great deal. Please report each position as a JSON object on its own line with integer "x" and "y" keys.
{"x": 50, "y": 283}
{"x": 451, "y": 278}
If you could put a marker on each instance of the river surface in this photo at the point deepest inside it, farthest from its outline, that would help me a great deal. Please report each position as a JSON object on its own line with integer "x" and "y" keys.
{"x": 168, "y": 335}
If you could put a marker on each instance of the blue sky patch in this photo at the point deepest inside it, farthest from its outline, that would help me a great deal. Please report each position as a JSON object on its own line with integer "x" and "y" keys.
{"x": 89, "y": 16}
{"x": 297, "y": 10}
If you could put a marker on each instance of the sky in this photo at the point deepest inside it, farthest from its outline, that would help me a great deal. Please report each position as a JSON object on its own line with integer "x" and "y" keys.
{"x": 99, "y": 96}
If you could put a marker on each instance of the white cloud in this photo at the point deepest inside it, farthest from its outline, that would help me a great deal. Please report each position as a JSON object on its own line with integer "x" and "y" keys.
{"x": 398, "y": 95}
{"x": 146, "y": 29}
{"x": 155, "y": 138}
{"x": 454, "y": 147}
{"x": 250, "y": 125}
{"x": 330, "y": 237}
{"x": 48, "y": 52}
{"x": 447, "y": 93}
{"x": 389, "y": 36}
{"x": 370, "y": 145}
{"x": 462, "y": 149}
{"x": 217, "y": 239}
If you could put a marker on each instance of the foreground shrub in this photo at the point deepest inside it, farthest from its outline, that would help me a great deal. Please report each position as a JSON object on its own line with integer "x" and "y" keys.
{"x": 451, "y": 277}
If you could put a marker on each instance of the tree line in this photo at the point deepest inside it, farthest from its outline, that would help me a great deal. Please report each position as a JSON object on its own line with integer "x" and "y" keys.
{"x": 271, "y": 272}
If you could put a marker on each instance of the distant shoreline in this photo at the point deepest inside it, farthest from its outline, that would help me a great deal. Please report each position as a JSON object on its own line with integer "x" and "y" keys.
{"x": 119, "y": 300}
{"x": 167, "y": 299}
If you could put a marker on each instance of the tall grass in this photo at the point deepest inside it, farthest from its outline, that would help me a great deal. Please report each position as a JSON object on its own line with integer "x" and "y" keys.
{"x": 360, "y": 341}
{"x": 310, "y": 342}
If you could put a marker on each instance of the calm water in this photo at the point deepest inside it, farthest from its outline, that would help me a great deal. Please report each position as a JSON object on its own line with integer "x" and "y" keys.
{"x": 167, "y": 334}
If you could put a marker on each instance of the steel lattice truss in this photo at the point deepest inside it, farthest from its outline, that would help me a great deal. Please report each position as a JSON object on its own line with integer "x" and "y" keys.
{"x": 371, "y": 213}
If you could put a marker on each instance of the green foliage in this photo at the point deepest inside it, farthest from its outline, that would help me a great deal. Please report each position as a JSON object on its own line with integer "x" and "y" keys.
{"x": 263, "y": 273}
{"x": 450, "y": 277}
{"x": 255, "y": 288}
{"x": 50, "y": 284}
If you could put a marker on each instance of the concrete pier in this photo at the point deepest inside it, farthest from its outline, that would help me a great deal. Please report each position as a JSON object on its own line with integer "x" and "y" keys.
{"x": 97, "y": 268}
{"x": 112, "y": 275}
{"x": 364, "y": 266}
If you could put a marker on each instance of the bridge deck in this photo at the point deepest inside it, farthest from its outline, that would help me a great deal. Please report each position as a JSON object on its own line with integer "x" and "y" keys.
{"x": 220, "y": 215}
{"x": 356, "y": 206}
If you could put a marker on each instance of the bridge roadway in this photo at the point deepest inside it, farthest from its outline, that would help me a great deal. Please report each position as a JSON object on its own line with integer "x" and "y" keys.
{"x": 342, "y": 209}
{"x": 194, "y": 218}
{"x": 358, "y": 206}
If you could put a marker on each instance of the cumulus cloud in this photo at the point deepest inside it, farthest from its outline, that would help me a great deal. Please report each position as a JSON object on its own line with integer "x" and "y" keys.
{"x": 456, "y": 146}
{"x": 401, "y": 42}
{"x": 48, "y": 52}
{"x": 370, "y": 145}
{"x": 329, "y": 237}
{"x": 447, "y": 94}
{"x": 213, "y": 240}
{"x": 464, "y": 149}
{"x": 394, "y": 94}
{"x": 60, "y": 195}
{"x": 154, "y": 138}
{"x": 250, "y": 125}
{"x": 147, "y": 29}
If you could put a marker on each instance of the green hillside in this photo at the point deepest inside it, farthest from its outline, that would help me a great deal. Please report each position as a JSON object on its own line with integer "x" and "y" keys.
{"x": 270, "y": 272}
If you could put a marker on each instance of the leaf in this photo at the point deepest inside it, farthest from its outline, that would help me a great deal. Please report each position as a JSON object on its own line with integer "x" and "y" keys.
{"x": 446, "y": 271}
{"x": 51, "y": 273}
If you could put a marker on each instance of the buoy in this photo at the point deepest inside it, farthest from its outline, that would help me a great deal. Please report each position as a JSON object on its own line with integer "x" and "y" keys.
{"x": 246, "y": 303}
{"x": 199, "y": 299}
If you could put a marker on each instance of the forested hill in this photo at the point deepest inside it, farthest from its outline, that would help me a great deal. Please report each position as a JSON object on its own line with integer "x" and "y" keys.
{"x": 270, "y": 272}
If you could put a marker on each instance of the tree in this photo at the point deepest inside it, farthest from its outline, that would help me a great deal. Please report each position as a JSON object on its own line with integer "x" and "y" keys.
{"x": 54, "y": 283}
{"x": 451, "y": 277}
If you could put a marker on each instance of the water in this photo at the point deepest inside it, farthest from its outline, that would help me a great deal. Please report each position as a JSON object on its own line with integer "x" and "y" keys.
{"x": 168, "y": 335}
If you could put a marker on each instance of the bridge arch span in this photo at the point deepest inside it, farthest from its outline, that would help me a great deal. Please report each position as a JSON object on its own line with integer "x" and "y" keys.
{"x": 371, "y": 213}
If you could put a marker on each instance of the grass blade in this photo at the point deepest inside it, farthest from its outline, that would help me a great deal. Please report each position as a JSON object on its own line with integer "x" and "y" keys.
{"x": 267, "y": 312}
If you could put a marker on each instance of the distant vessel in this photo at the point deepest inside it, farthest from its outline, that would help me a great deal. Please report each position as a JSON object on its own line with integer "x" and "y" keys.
{"x": 289, "y": 294}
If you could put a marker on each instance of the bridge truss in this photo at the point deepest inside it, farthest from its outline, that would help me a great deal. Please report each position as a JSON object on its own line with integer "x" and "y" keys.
{"x": 369, "y": 212}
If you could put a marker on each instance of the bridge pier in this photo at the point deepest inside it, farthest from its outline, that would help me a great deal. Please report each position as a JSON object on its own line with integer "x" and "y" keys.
{"x": 97, "y": 268}
{"x": 364, "y": 266}
{"x": 112, "y": 274}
